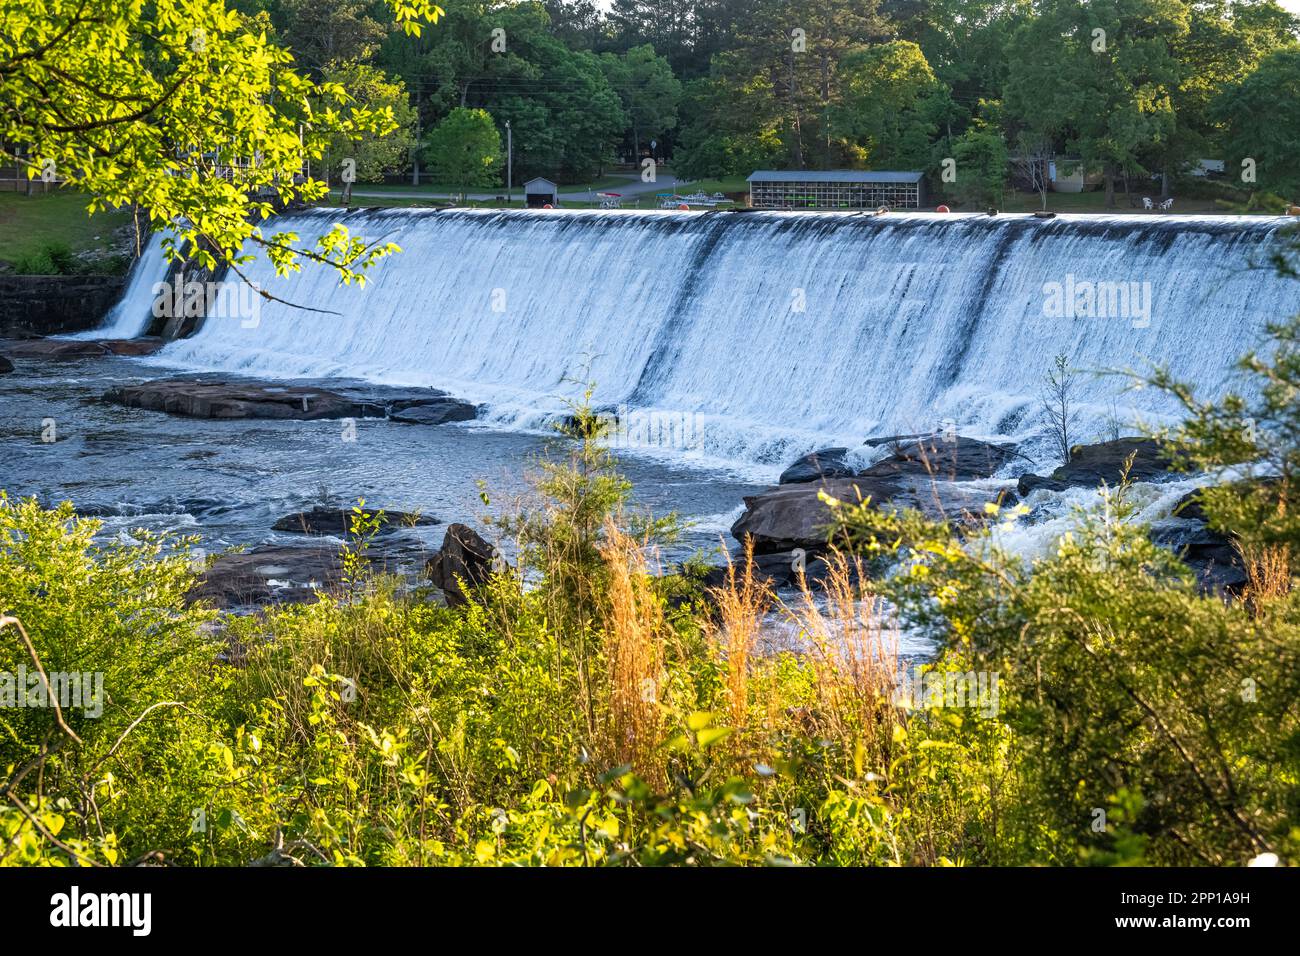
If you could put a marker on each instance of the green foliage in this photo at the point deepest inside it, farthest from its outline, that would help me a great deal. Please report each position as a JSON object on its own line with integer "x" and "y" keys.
{"x": 465, "y": 148}
{"x": 891, "y": 105}
{"x": 1259, "y": 114}
{"x": 981, "y": 158}
{"x": 119, "y": 101}
{"x": 372, "y": 154}
{"x": 52, "y": 259}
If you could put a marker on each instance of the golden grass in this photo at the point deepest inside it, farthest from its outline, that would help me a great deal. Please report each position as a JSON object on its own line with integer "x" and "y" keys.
{"x": 852, "y": 645}
{"x": 1268, "y": 572}
{"x": 634, "y": 655}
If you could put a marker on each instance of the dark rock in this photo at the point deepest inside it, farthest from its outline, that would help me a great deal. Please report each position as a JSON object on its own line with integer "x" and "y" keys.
{"x": 435, "y": 412}
{"x": 793, "y": 516}
{"x": 1212, "y": 556}
{"x": 1190, "y": 506}
{"x": 82, "y": 348}
{"x": 338, "y": 521}
{"x": 209, "y": 396}
{"x": 776, "y": 569}
{"x": 944, "y": 457}
{"x": 1028, "y": 484}
{"x": 1105, "y": 462}
{"x": 5, "y": 365}
{"x": 214, "y": 398}
{"x": 270, "y": 574}
{"x": 827, "y": 463}
{"x": 465, "y": 557}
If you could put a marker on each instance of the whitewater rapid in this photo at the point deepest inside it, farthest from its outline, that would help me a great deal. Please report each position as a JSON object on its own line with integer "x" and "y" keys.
{"x": 753, "y": 337}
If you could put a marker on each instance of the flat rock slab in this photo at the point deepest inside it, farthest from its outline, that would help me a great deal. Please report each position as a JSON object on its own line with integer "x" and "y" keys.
{"x": 207, "y": 398}
{"x": 338, "y": 521}
{"x": 215, "y": 397}
{"x": 1105, "y": 463}
{"x": 81, "y": 348}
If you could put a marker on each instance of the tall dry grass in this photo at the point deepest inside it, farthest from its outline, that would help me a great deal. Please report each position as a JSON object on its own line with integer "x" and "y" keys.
{"x": 634, "y": 646}
{"x": 850, "y": 641}
{"x": 741, "y": 604}
{"x": 1268, "y": 572}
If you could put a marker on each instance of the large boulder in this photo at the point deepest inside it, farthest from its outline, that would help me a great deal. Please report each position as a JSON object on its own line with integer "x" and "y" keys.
{"x": 437, "y": 411}
{"x": 216, "y": 397}
{"x": 816, "y": 465}
{"x": 465, "y": 557}
{"x": 5, "y": 365}
{"x": 338, "y": 521}
{"x": 794, "y": 516}
{"x": 1029, "y": 483}
{"x": 1106, "y": 462}
{"x": 941, "y": 456}
{"x": 1212, "y": 556}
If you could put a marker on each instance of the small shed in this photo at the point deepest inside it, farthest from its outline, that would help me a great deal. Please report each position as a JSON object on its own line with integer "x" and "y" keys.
{"x": 539, "y": 192}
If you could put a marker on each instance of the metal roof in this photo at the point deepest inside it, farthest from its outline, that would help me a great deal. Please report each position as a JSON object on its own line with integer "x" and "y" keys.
{"x": 538, "y": 179}
{"x": 832, "y": 176}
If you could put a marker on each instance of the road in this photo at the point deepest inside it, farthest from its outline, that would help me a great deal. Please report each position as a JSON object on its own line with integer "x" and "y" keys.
{"x": 631, "y": 188}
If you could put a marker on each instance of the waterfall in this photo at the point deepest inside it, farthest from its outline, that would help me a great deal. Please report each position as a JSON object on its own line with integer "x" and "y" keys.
{"x": 753, "y": 337}
{"x": 134, "y": 311}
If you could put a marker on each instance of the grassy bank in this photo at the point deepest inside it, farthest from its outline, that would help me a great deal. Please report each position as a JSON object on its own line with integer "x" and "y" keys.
{"x": 28, "y": 225}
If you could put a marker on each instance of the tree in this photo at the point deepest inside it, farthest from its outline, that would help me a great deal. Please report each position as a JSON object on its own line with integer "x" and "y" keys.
{"x": 1262, "y": 113}
{"x": 1058, "y": 403}
{"x": 372, "y": 155}
{"x": 734, "y": 126}
{"x": 465, "y": 149}
{"x": 891, "y": 101}
{"x": 1224, "y": 43}
{"x": 1098, "y": 76}
{"x": 648, "y": 90}
{"x": 184, "y": 108}
{"x": 981, "y": 158}
{"x": 323, "y": 34}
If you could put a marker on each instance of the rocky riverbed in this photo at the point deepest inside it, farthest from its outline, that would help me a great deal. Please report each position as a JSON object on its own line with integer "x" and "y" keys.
{"x": 236, "y": 462}
{"x": 266, "y": 474}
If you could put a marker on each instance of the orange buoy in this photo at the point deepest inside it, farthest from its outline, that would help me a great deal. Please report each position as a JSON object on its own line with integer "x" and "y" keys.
{"x": 548, "y": 206}
{"x": 943, "y": 209}
{"x": 684, "y": 206}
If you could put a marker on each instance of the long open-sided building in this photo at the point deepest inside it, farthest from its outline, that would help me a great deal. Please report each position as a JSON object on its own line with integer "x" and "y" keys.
{"x": 835, "y": 189}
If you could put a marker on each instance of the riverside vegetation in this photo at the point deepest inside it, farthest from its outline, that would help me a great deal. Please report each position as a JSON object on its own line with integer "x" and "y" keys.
{"x": 581, "y": 709}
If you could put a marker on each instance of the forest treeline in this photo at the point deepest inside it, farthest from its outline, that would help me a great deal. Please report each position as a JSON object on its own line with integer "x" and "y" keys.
{"x": 1128, "y": 89}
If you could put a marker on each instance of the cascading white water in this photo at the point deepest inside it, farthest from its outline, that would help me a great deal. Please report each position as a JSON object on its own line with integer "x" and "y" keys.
{"x": 753, "y": 337}
{"x": 134, "y": 311}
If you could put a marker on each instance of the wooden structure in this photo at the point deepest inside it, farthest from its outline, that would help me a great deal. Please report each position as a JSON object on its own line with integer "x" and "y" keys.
{"x": 835, "y": 189}
{"x": 540, "y": 192}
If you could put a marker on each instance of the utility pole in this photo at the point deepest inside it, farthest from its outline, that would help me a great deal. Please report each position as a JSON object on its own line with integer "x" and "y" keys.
{"x": 510, "y": 149}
